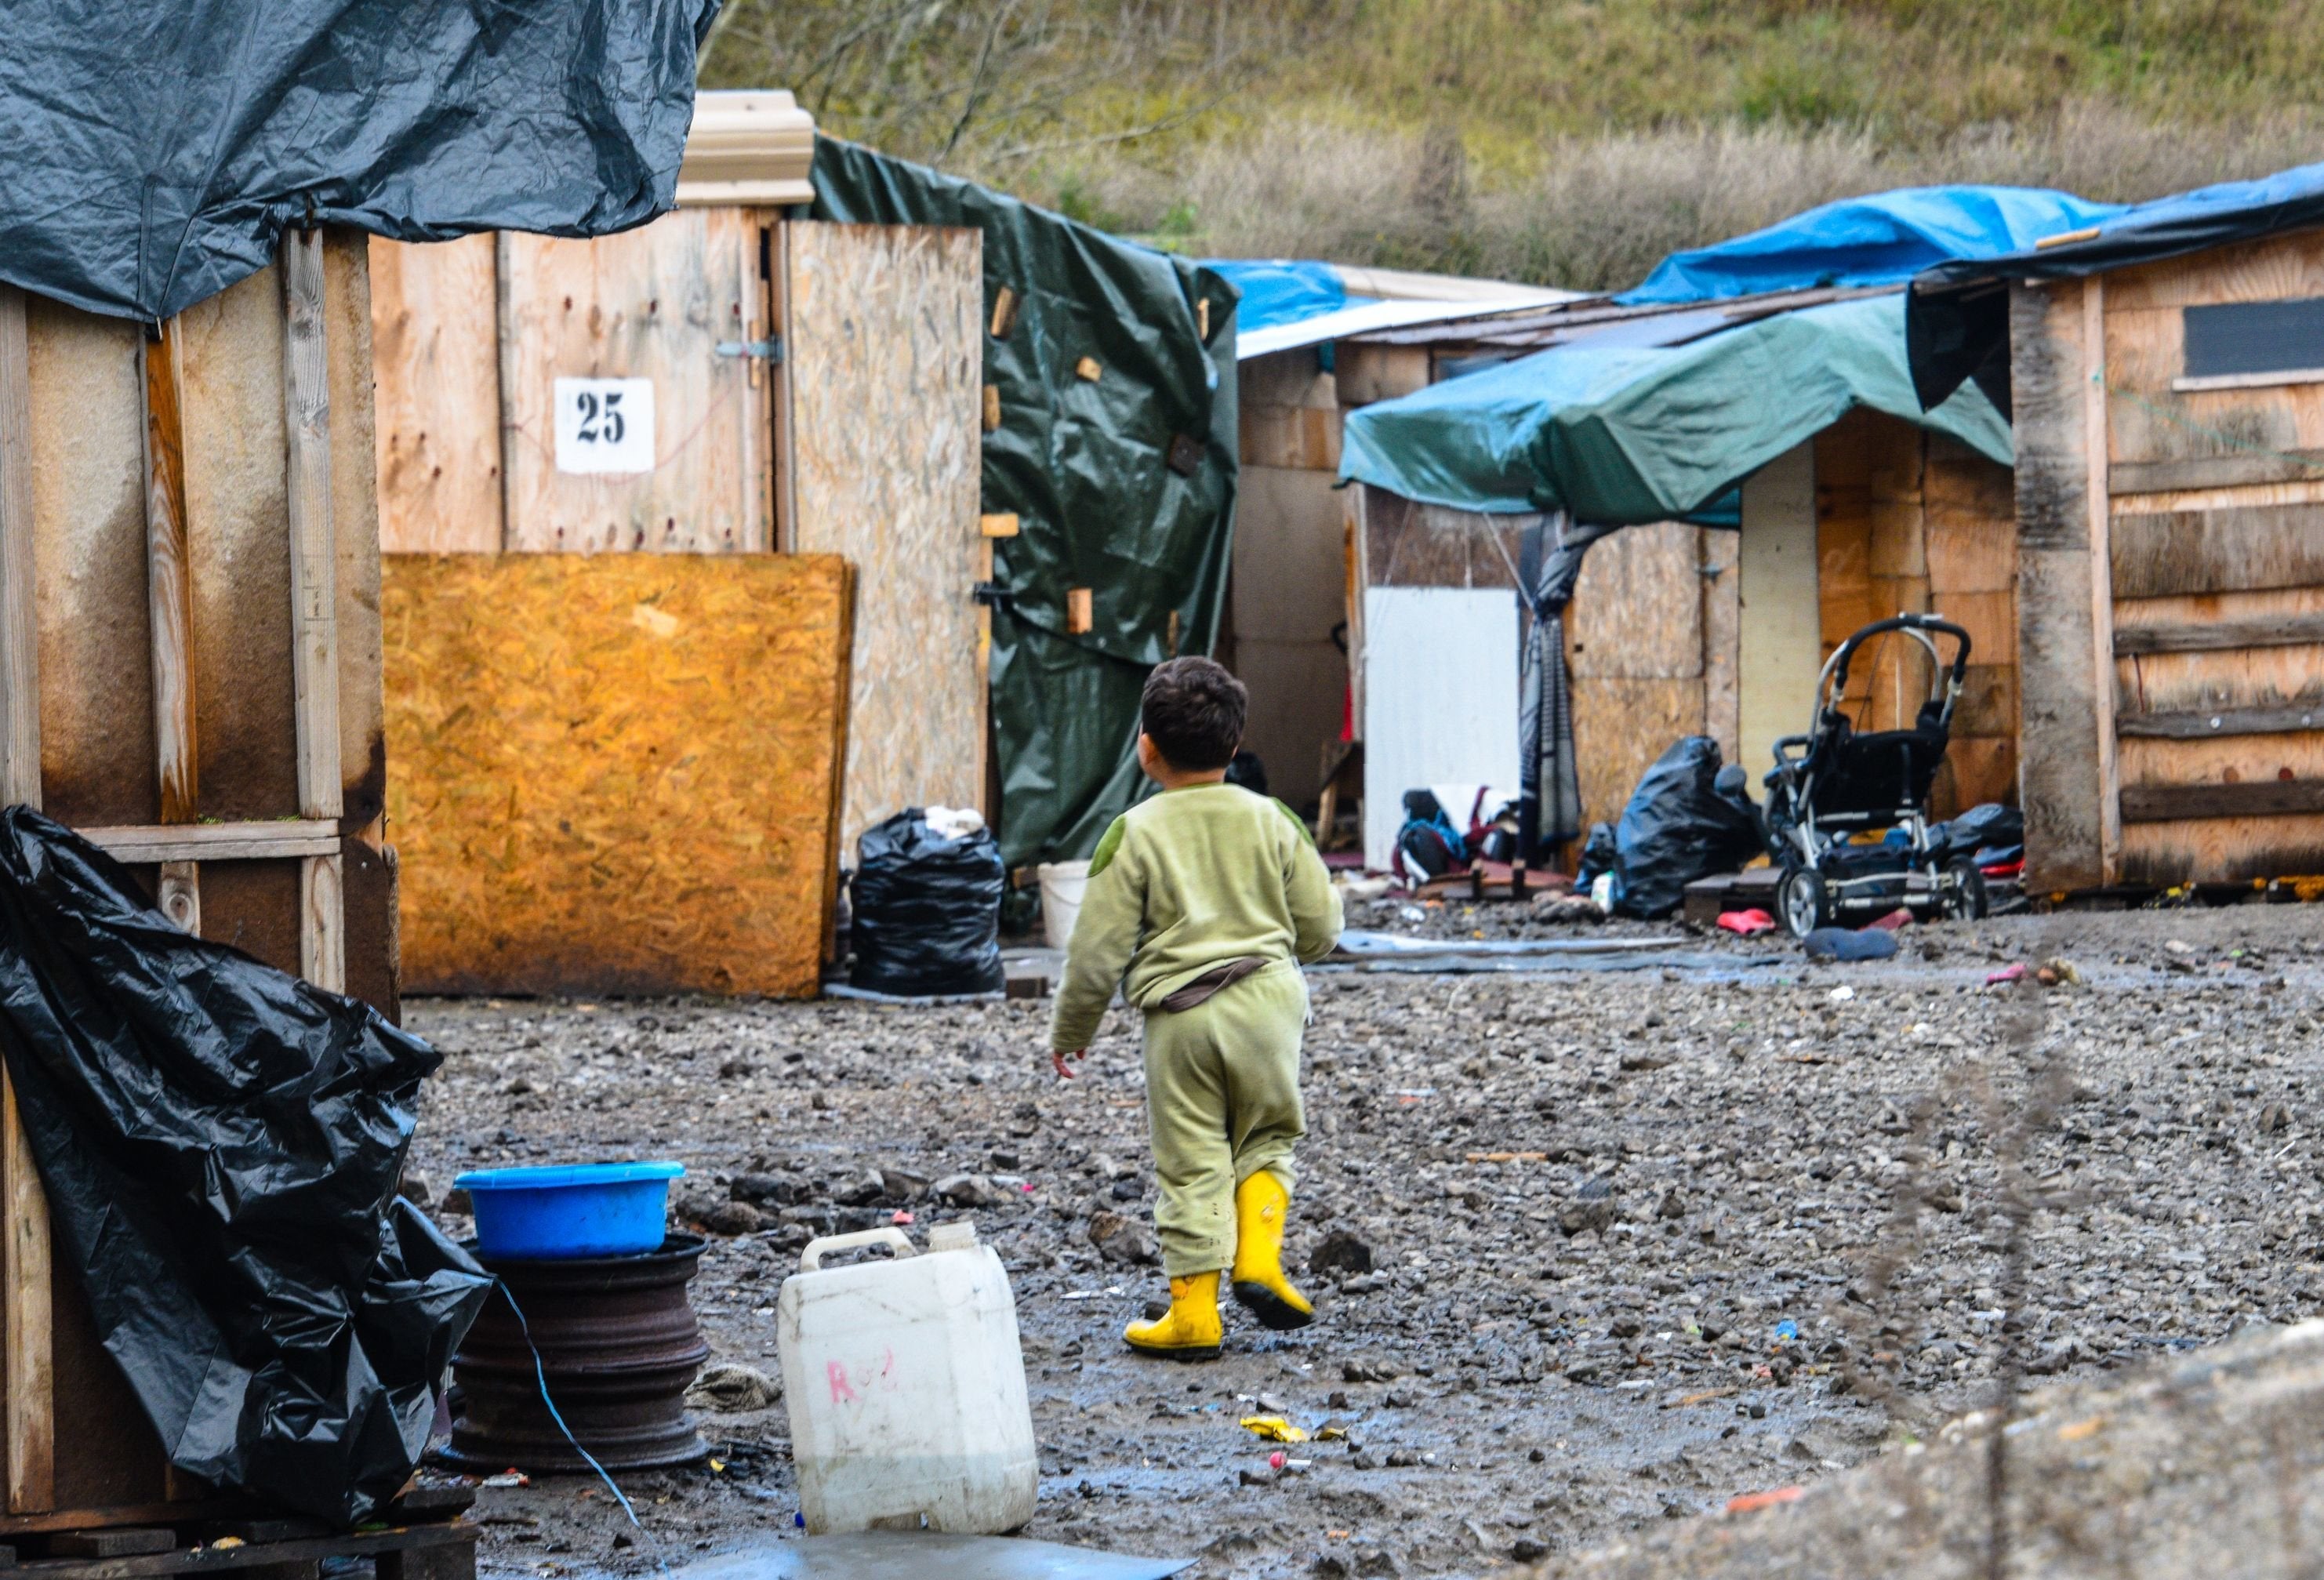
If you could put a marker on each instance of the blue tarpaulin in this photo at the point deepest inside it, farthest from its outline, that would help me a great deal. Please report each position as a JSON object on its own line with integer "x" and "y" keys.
{"x": 1281, "y": 290}
{"x": 1956, "y": 333}
{"x": 1632, "y": 434}
{"x": 1883, "y": 239}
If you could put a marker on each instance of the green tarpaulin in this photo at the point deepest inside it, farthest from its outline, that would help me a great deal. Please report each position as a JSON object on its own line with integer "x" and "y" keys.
{"x": 1633, "y": 434}
{"x": 1123, "y": 484}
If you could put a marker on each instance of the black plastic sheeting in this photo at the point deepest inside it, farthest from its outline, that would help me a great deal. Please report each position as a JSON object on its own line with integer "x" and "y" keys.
{"x": 221, "y": 1144}
{"x": 926, "y": 910}
{"x": 156, "y": 153}
{"x": 1679, "y": 827}
{"x": 1957, "y": 314}
{"x": 1124, "y": 484}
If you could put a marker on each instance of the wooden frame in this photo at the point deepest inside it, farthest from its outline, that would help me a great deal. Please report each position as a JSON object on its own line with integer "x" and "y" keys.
{"x": 177, "y": 845}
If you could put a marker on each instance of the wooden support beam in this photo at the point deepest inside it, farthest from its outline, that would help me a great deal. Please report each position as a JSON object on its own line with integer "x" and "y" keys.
{"x": 168, "y": 579}
{"x": 2258, "y": 797}
{"x": 2095, "y": 446}
{"x": 2201, "y": 723}
{"x": 20, "y": 652}
{"x": 2225, "y": 636}
{"x": 314, "y": 602}
{"x": 28, "y": 1435}
{"x": 219, "y": 842}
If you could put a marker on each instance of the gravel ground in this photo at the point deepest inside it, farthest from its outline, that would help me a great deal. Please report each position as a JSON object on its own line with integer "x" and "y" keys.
{"x": 1759, "y": 1226}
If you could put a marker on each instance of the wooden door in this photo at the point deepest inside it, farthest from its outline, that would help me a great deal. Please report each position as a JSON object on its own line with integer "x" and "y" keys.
{"x": 883, "y": 373}
{"x": 635, "y": 403}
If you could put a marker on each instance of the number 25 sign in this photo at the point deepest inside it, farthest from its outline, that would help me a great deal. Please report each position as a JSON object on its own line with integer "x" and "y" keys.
{"x": 605, "y": 425}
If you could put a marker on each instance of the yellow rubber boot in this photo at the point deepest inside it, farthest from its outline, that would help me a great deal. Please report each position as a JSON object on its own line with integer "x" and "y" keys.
{"x": 1190, "y": 1330}
{"x": 1259, "y": 1286}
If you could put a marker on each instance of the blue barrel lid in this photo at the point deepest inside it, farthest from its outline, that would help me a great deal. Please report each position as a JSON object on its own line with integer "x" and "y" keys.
{"x": 562, "y": 1175}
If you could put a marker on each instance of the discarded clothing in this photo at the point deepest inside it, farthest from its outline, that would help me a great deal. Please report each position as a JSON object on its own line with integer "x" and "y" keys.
{"x": 1840, "y": 943}
{"x": 221, "y": 1144}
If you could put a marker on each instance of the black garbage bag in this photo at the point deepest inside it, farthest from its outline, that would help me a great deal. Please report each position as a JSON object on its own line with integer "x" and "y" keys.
{"x": 221, "y": 1144}
{"x": 1680, "y": 825}
{"x": 1987, "y": 826}
{"x": 926, "y": 917}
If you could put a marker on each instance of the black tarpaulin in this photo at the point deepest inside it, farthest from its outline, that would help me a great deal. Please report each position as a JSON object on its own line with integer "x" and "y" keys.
{"x": 221, "y": 1145}
{"x": 155, "y": 152}
{"x": 1957, "y": 315}
{"x": 1123, "y": 484}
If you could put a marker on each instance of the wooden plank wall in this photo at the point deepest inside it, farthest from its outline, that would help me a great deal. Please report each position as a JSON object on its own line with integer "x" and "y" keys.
{"x": 885, "y": 357}
{"x": 1634, "y": 644}
{"x": 1912, "y": 522}
{"x": 2214, "y": 504}
{"x": 614, "y": 772}
{"x": 436, "y": 342}
{"x": 1288, "y": 587}
{"x": 177, "y": 477}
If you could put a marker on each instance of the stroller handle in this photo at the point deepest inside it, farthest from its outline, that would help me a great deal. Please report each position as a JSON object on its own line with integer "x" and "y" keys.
{"x": 1921, "y": 626}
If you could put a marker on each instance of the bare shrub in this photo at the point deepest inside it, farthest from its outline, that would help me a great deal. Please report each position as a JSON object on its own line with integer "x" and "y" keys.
{"x": 1596, "y": 212}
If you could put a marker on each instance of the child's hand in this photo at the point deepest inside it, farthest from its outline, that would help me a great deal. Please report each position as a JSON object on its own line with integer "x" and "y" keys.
{"x": 1058, "y": 1059}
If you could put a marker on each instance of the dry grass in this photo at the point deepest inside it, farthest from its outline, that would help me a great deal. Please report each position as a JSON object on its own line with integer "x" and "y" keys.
{"x": 1597, "y": 212}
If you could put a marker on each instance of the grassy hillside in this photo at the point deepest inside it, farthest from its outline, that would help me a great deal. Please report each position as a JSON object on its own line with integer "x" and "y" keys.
{"x": 1570, "y": 142}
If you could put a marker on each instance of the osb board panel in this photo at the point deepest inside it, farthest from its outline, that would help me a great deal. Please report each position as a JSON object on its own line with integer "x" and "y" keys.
{"x": 652, "y": 303}
{"x": 97, "y": 763}
{"x": 436, "y": 341}
{"x": 885, "y": 358}
{"x": 107, "y": 1453}
{"x": 1620, "y": 728}
{"x": 614, "y": 772}
{"x": 1637, "y": 607}
{"x": 2214, "y": 850}
{"x": 238, "y": 535}
{"x": 2218, "y": 550}
{"x": 254, "y": 906}
{"x": 2256, "y": 677}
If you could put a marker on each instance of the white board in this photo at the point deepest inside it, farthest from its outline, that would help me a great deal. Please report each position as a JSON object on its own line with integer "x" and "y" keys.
{"x": 1780, "y": 645}
{"x": 1440, "y": 698}
{"x": 605, "y": 426}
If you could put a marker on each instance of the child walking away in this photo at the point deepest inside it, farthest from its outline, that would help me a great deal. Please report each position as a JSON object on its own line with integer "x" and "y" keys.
{"x": 1202, "y": 903}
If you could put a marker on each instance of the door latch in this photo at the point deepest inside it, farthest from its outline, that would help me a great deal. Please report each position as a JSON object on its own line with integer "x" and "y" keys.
{"x": 768, "y": 350}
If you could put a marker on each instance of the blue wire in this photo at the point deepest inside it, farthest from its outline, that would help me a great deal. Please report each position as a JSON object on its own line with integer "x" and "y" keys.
{"x": 541, "y": 1372}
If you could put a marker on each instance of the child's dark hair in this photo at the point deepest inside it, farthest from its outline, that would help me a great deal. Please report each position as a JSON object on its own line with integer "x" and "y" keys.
{"x": 1195, "y": 711}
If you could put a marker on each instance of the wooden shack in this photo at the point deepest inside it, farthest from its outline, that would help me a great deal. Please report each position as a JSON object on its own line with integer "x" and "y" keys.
{"x": 190, "y": 674}
{"x": 1673, "y": 628}
{"x": 725, "y": 383}
{"x": 2170, "y": 415}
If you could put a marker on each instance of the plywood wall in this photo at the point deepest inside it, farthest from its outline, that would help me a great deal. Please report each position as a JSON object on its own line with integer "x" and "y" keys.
{"x": 614, "y": 772}
{"x": 1909, "y": 522}
{"x": 1288, "y": 590}
{"x": 1634, "y": 649}
{"x": 885, "y": 361}
{"x": 436, "y": 341}
{"x": 2213, "y": 506}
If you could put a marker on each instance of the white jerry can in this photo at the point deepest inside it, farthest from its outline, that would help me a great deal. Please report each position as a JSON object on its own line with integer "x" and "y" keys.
{"x": 906, "y": 1387}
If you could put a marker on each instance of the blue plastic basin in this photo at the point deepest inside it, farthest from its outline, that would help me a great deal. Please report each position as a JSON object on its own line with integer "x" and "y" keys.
{"x": 583, "y": 1209}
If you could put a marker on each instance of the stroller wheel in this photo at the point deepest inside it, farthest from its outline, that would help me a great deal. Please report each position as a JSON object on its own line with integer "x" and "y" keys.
{"x": 1805, "y": 900}
{"x": 1965, "y": 896}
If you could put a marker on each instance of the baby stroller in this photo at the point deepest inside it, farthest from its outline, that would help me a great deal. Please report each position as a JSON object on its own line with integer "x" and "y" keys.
{"x": 1833, "y": 782}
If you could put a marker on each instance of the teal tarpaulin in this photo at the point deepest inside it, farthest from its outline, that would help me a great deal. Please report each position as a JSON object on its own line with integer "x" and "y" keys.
{"x": 1633, "y": 434}
{"x": 1122, "y": 483}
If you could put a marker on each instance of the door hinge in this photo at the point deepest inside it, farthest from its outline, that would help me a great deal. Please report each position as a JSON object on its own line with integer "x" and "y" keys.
{"x": 768, "y": 350}
{"x": 993, "y": 595}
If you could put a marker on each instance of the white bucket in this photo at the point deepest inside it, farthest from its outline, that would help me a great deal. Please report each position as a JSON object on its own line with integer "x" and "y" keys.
{"x": 906, "y": 1387}
{"x": 1062, "y": 886}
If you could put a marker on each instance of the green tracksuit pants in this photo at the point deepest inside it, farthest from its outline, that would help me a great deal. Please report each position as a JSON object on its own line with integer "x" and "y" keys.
{"x": 1222, "y": 1104}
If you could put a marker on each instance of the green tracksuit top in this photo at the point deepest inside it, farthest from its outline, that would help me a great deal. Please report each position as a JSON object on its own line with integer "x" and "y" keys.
{"x": 1185, "y": 881}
